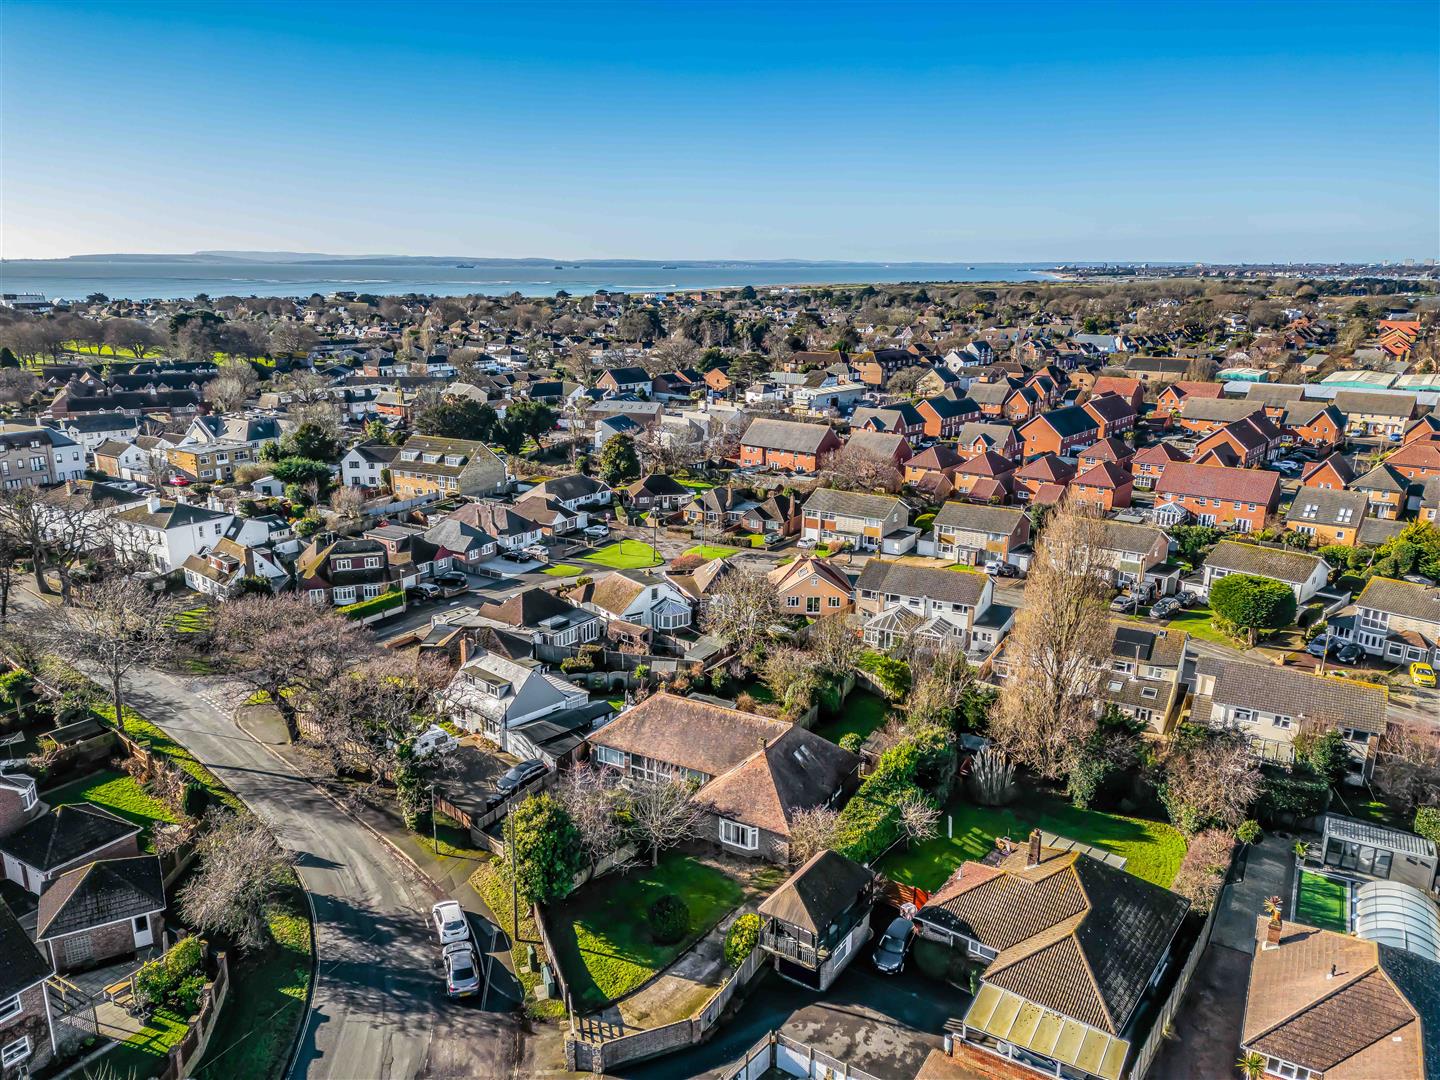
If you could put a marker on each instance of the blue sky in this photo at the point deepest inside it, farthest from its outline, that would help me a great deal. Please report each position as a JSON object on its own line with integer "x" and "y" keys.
{"x": 948, "y": 132}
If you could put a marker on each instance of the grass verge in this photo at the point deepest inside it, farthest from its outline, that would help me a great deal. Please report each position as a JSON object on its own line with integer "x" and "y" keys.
{"x": 712, "y": 551}
{"x": 562, "y": 570}
{"x": 490, "y": 883}
{"x": 626, "y": 555}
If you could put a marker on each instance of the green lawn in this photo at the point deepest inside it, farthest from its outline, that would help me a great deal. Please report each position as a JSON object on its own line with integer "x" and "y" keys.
{"x": 562, "y": 570}
{"x": 603, "y": 939}
{"x": 712, "y": 551}
{"x": 450, "y": 839}
{"x": 961, "y": 568}
{"x": 1193, "y": 620}
{"x": 1153, "y": 849}
{"x": 862, "y": 712}
{"x": 762, "y": 694}
{"x": 626, "y": 555}
{"x": 1323, "y": 902}
{"x": 196, "y": 620}
{"x": 267, "y": 1000}
{"x": 490, "y": 883}
{"x": 118, "y": 793}
{"x": 696, "y": 485}
{"x": 144, "y": 1054}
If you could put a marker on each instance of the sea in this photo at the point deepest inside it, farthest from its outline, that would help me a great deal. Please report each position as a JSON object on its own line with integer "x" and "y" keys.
{"x": 156, "y": 279}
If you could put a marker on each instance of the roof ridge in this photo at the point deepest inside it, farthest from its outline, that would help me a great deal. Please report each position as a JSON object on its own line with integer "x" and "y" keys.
{"x": 1322, "y": 998}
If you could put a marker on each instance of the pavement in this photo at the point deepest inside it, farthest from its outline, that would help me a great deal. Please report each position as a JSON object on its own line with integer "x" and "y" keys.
{"x": 378, "y": 1008}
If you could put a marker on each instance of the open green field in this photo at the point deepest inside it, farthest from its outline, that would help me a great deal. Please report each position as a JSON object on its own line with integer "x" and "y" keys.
{"x": 861, "y": 713}
{"x": 1152, "y": 849}
{"x": 1195, "y": 621}
{"x": 626, "y": 555}
{"x": 118, "y": 793}
{"x": 603, "y": 937}
{"x": 1323, "y": 902}
{"x": 712, "y": 551}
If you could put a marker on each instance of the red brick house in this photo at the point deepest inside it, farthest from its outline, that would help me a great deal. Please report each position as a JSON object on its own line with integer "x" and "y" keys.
{"x": 26, "y": 1039}
{"x": 977, "y": 437}
{"x": 1106, "y": 485}
{"x": 787, "y": 445}
{"x": 1426, "y": 429}
{"x": 1149, "y": 464}
{"x": 1252, "y": 440}
{"x": 986, "y": 476}
{"x": 1174, "y": 396}
{"x": 1114, "y": 414}
{"x": 1109, "y": 449}
{"x": 946, "y": 416}
{"x": 1064, "y": 431}
{"x": 1316, "y": 424}
{"x": 1048, "y": 470}
{"x": 1334, "y": 473}
{"x": 1132, "y": 390}
{"x": 1243, "y": 499}
{"x": 101, "y": 911}
{"x": 1418, "y": 460}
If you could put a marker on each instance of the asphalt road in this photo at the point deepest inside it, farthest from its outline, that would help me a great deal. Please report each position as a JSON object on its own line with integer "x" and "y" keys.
{"x": 379, "y": 1007}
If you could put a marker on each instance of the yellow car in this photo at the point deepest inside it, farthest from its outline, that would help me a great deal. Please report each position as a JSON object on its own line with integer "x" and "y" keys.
{"x": 1422, "y": 674}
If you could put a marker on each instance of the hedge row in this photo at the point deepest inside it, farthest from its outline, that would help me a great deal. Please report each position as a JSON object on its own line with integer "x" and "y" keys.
{"x": 870, "y": 822}
{"x": 363, "y": 609}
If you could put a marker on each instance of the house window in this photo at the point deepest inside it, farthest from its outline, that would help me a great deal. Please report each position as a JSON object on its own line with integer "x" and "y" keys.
{"x": 15, "y": 1052}
{"x": 737, "y": 835}
{"x": 835, "y": 601}
{"x": 28, "y": 799}
{"x": 792, "y": 601}
{"x": 372, "y": 562}
{"x": 1282, "y": 721}
{"x": 10, "y": 1007}
{"x": 1244, "y": 716}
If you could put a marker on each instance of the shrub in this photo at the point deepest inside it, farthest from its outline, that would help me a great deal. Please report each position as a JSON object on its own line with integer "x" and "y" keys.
{"x": 186, "y": 997}
{"x": 364, "y": 608}
{"x": 669, "y": 919}
{"x": 852, "y": 741}
{"x": 1294, "y": 796}
{"x": 1427, "y": 823}
{"x": 893, "y": 675}
{"x": 1202, "y": 871}
{"x": 1248, "y": 832}
{"x": 740, "y": 939}
{"x": 577, "y": 663}
{"x": 870, "y": 822}
{"x": 1253, "y": 603}
{"x": 196, "y": 800}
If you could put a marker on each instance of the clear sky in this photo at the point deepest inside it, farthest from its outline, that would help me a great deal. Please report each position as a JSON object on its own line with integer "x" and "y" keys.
{"x": 946, "y": 131}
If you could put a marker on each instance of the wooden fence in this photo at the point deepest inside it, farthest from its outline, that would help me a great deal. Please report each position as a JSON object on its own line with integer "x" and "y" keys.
{"x": 538, "y": 915}
{"x": 598, "y": 1054}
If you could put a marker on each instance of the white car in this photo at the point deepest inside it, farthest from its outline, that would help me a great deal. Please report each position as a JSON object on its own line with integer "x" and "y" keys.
{"x": 450, "y": 922}
{"x": 598, "y": 532}
{"x": 434, "y": 740}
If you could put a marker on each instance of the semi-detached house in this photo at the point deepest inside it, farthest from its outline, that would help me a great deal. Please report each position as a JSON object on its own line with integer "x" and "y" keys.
{"x": 867, "y": 522}
{"x": 1241, "y": 499}
{"x": 431, "y": 466}
{"x": 972, "y": 534}
{"x": 933, "y": 607}
{"x": 167, "y": 533}
{"x": 1399, "y": 620}
{"x": 787, "y": 445}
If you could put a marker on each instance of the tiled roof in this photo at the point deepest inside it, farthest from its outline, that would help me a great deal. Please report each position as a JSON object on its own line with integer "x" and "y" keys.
{"x": 1326, "y": 506}
{"x": 794, "y": 771}
{"x": 1329, "y": 702}
{"x": 22, "y": 964}
{"x": 995, "y": 520}
{"x": 1218, "y": 482}
{"x": 102, "y": 892}
{"x": 786, "y": 435}
{"x": 817, "y": 893}
{"x": 1421, "y": 602}
{"x": 904, "y": 579}
{"x": 1071, "y": 420}
{"x": 850, "y": 503}
{"x": 696, "y": 735}
{"x": 65, "y": 834}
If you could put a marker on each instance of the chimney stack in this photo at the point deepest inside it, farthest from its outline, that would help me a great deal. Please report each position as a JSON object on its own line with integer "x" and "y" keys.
{"x": 1275, "y": 926}
{"x": 464, "y": 648}
{"x": 1032, "y": 857}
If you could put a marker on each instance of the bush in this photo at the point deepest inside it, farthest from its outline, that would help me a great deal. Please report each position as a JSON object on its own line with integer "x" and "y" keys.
{"x": 1202, "y": 871}
{"x": 196, "y": 801}
{"x": 1253, "y": 603}
{"x": 852, "y": 741}
{"x": 1292, "y": 796}
{"x": 893, "y": 675}
{"x": 1427, "y": 823}
{"x": 870, "y": 822}
{"x": 669, "y": 919}
{"x": 1248, "y": 832}
{"x": 176, "y": 978}
{"x": 741, "y": 938}
{"x": 577, "y": 663}
{"x": 364, "y": 608}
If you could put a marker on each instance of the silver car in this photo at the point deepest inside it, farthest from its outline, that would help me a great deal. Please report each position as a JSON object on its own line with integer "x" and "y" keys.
{"x": 462, "y": 969}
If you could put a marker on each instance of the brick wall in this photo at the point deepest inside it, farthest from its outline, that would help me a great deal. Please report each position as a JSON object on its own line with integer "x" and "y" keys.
{"x": 106, "y": 942}
{"x": 32, "y": 1022}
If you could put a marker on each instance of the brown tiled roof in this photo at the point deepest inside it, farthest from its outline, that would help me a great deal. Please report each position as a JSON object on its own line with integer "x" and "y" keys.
{"x": 1049, "y": 468}
{"x": 786, "y": 435}
{"x": 696, "y": 735}
{"x": 996, "y": 520}
{"x": 1405, "y": 598}
{"x": 1219, "y": 482}
{"x": 1331, "y": 702}
{"x": 817, "y": 893}
{"x": 1343, "y": 472}
{"x": 988, "y": 463}
{"x": 1160, "y": 454}
{"x": 794, "y": 771}
{"x": 1104, "y": 475}
{"x": 938, "y": 456}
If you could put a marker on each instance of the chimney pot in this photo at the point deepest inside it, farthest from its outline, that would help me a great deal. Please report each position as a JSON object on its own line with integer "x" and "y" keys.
{"x": 1032, "y": 857}
{"x": 1331, "y": 975}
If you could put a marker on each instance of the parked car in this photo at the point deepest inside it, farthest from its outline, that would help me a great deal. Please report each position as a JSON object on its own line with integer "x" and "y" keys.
{"x": 422, "y": 592}
{"x": 1349, "y": 653}
{"x": 1124, "y": 602}
{"x": 805, "y": 542}
{"x": 1394, "y": 436}
{"x": 178, "y": 481}
{"x": 538, "y": 552}
{"x": 1320, "y": 645}
{"x": 1287, "y": 468}
{"x": 515, "y": 779}
{"x": 1165, "y": 607}
{"x": 462, "y": 969}
{"x": 1001, "y": 568}
{"x": 894, "y": 944}
{"x": 453, "y": 584}
{"x": 1422, "y": 674}
{"x": 597, "y": 532}
{"x": 450, "y": 922}
{"x": 514, "y": 556}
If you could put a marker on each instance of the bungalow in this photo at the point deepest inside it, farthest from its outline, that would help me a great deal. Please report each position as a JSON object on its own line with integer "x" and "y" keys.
{"x": 972, "y": 534}
{"x": 866, "y": 522}
{"x": 1304, "y": 574}
{"x": 720, "y": 507}
{"x": 1399, "y": 620}
{"x": 626, "y": 380}
{"x": 510, "y": 527}
{"x": 1063, "y": 432}
{"x": 787, "y": 445}
{"x": 753, "y": 773}
{"x": 1074, "y": 950}
{"x": 1272, "y": 705}
{"x": 1330, "y": 517}
{"x": 813, "y": 587}
{"x": 1149, "y": 465}
{"x": 658, "y": 491}
{"x": 99, "y": 912}
{"x": 540, "y": 616}
{"x": 1242, "y": 499}
{"x": 633, "y": 597}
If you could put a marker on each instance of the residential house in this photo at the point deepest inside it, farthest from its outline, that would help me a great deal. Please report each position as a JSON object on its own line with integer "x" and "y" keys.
{"x": 1386, "y": 490}
{"x": 720, "y": 507}
{"x": 253, "y": 431}
{"x": 1136, "y": 554}
{"x": 1132, "y": 390}
{"x": 945, "y": 416}
{"x": 775, "y": 514}
{"x": 36, "y": 854}
{"x": 1419, "y": 460}
{"x": 1326, "y": 1004}
{"x": 976, "y": 437}
{"x": 223, "y": 570}
{"x": 1399, "y": 620}
{"x": 1272, "y": 705}
{"x": 901, "y": 418}
{"x": 430, "y": 466}
{"x": 1046, "y": 473}
{"x": 817, "y": 921}
{"x": 934, "y": 461}
{"x": 626, "y": 380}
{"x": 339, "y": 571}
{"x": 1109, "y": 449}
{"x": 365, "y": 464}
{"x": 27, "y": 1039}
{"x": 209, "y": 463}
{"x": 1425, "y": 429}
{"x": 903, "y": 602}
{"x": 787, "y": 445}
{"x": 1241, "y": 499}
{"x": 38, "y": 457}
{"x": 1316, "y": 424}
{"x": 1157, "y": 369}
{"x": 1064, "y": 432}
{"x": 102, "y": 911}
{"x": 510, "y": 527}
{"x": 19, "y": 798}
{"x": 987, "y": 478}
{"x": 545, "y": 619}
{"x": 658, "y": 491}
{"x": 1113, "y": 414}
{"x": 92, "y": 430}
{"x": 1149, "y": 465}
{"x": 1334, "y": 473}
{"x": 639, "y": 598}
{"x": 1143, "y": 673}
{"x": 813, "y": 587}
{"x": 122, "y": 460}
{"x": 753, "y": 773}
{"x": 1305, "y": 574}
{"x": 1250, "y": 441}
{"x": 465, "y": 545}
{"x": 1106, "y": 485}
{"x": 166, "y": 533}
{"x": 1172, "y": 398}
{"x": 881, "y": 447}
{"x": 866, "y": 522}
{"x": 1074, "y": 950}
{"x": 1203, "y": 416}
{"x": 491, "y": 695}
{"x": 972, "y": 535}
{"x": 1330, "y": 517}
{"x": 936, "y": 380}
{"x": 1372, "y": 412}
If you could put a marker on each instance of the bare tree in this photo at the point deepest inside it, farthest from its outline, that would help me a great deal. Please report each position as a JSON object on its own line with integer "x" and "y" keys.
{"x": 743, "y": 608}
{"x": 131, "y": 335}
{"x": 675, "y": 352}
{"x": 287, "y": 648}
{"x": 812, "y": 830}
{"x": 663, "y": 813}
{"x": 790, "y": 673}
{"x": 852, "y": 469}
{"x": 236, "y": 383}
{"x": 592, "y": 799}
{"x": 118, "y": 626}
{"x": 940, "y": 679}
{"x": 834, "y": 645}
{"x": 57, "y": 528}
{"x": 1057, "y": 652}
{"x": 241, "y": 870}
{"x": 306, "y": 387}
{"x": 919, "y": 817}
{"x": 1210, "y": 777}
{"x": 347, "y": 502}
{"x": 288, "y": 336}
{"x": 17, "y": 386}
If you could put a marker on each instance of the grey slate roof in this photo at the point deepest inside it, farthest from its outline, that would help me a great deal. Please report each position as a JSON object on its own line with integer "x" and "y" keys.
{"x": 1336, "y": 703}
{"x": 905, "y": 579}
{"x": 1291, "y": 567}
{"x": 22, "y": 964}
{"x": 1403, "y": 598}
{"x": 102, "y": 892}
{"x": 995, "y": 520}
{"x": 785, "y": 435}
{"x": 850, "y": 503}
{"x": 64, "y": 835}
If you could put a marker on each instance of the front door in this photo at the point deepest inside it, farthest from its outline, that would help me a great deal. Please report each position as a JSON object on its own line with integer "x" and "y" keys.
{"x": 143, "y": 935}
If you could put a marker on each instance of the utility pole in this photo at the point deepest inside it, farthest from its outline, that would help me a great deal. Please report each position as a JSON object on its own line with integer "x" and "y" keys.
{"x": 514, "y": 884}
{"x": 434, "y": 831}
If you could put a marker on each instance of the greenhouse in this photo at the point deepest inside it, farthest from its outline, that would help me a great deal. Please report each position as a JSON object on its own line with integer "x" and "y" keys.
{"x": 1393, "y": 913}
